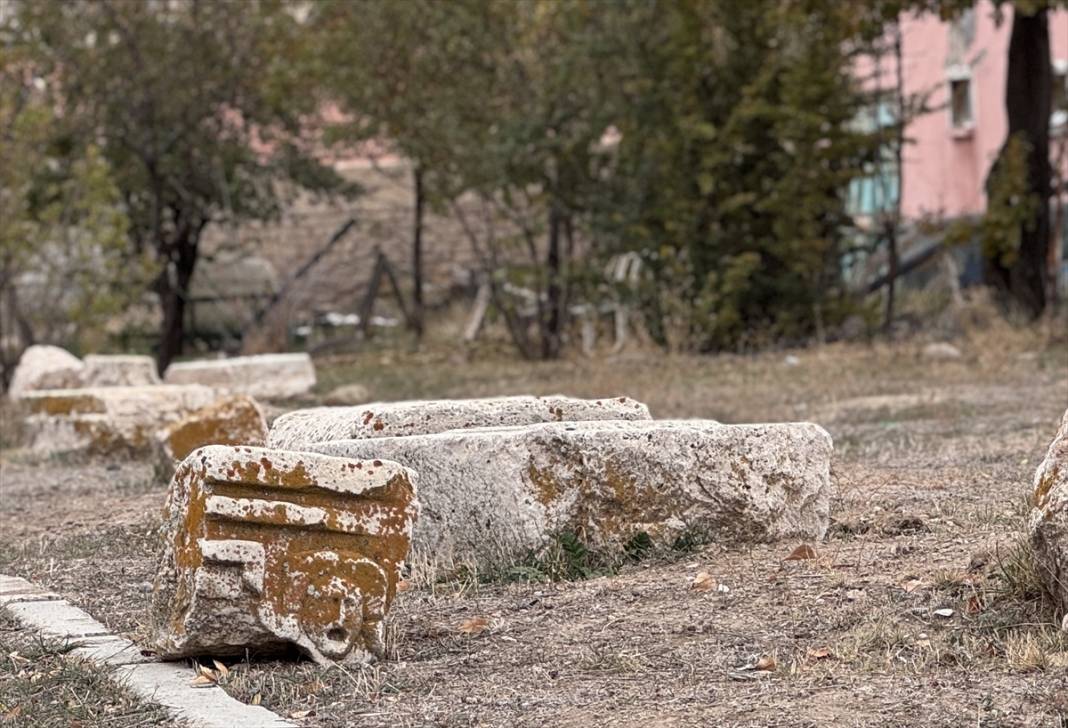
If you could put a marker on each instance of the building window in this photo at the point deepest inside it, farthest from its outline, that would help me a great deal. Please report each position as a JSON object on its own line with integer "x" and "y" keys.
{"x": 961, "y": 115}
{"x": 1059, "y": 108}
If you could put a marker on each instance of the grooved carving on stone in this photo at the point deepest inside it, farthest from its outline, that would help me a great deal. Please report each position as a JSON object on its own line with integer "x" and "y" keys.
{"x": 264, "y": 548}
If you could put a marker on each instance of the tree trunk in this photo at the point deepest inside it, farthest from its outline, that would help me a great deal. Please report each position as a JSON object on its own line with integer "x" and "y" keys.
{"x": 554, "y": 322}
{"x": 417, "y": 254}
{"x": 172, "y": 287}
{"x": 1028, "y": 98}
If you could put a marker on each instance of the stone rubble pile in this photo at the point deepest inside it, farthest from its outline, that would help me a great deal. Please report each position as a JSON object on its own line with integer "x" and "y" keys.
{"x": 302, "y": 542}
{"x": 116, "y": 404}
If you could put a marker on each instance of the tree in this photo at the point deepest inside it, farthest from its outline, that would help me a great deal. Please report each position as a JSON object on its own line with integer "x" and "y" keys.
{"x": 495, "y": 104}
{"x": 736, "y": 147}
{"x": 201, "y": 111}
{"x": 65, "y": 267}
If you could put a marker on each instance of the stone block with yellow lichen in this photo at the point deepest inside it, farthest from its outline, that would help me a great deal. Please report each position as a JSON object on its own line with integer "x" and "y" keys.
{"x": 493, "y": 496}
{"x": 265, "y": 549}
{"x": 106, "y": 421}
{"x": 1048, "y": 523}
{"x": 234, "y": 420}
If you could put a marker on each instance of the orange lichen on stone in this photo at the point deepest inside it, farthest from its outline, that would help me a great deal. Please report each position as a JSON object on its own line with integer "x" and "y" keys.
{"x": 106, "y": 421}
{"x": 263, "y": 549}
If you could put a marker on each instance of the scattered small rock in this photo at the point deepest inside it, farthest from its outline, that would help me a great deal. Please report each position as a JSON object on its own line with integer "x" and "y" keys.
{"x": 941, "y": 351}
{"x": 347, "y": 395}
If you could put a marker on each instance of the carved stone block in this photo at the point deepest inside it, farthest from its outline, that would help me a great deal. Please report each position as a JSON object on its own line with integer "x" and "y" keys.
{"x": 263, "y": 549}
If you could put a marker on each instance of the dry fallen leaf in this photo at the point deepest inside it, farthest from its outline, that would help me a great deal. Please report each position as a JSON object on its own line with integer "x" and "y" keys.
{"x": 222, "y": 669}
{"x": 974, "y": 605}
{"x": 766, "y": 663}
{"x": 256, "y": 699}
{"x": 474, "y": 625}
{"x": 911, "y": 585}
{"x": 203, "y": 681}
{"x": 801, "y": 553}
{"x": 298, "y": 714}
{"x": 821, "y": 653}
{"x": 945, "y": 613}
{"x": 403, "y": 585}
{"x": 703, "y": 581}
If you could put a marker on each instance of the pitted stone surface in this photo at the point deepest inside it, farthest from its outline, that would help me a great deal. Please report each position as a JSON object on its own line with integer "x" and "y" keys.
{"x": 297, "y": 429}
{"x": 265, "y": 548}
{"x": 119, "y": 370}
{"x": 1048, "y": 523}
{"x": 494, "y": 496}
{"x": 44, "y": 367}
{"x": 234, "y": 420}
{"x": 107, "y": 420}
{"x": 269, "y": 376}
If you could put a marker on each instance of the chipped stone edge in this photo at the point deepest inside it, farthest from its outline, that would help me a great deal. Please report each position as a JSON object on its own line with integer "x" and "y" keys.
{"x": 164, "y": 683}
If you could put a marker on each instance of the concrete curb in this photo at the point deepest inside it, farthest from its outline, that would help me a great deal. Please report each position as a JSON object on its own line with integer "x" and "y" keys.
{"x": 163, "y": 683}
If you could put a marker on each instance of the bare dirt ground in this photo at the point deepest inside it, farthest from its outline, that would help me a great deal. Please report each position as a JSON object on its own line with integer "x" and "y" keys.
{"x": 933, "y": 462}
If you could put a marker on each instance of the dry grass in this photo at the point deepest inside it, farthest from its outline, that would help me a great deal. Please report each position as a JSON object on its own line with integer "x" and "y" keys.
{"x": 42, "y": 687}
{"x": 932, "y": 465}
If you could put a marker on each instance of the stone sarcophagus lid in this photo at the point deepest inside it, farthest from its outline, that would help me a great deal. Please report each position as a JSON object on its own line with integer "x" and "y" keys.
{"x": 264, "y": 549}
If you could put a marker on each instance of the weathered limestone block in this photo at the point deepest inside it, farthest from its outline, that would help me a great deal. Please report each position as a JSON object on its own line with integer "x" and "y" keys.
{"x": 107, "y": 420}
{"x": 493, "y": 496}
{"x": 263, "y": 549}
{"x": 393, "y": 419}
{"x": 269, "y": 376}
{"x": 119, "y": 370}
{"x": 1048, "y": 523}
{"x": 233, "y": 420}
{"x": 45, "y": 367}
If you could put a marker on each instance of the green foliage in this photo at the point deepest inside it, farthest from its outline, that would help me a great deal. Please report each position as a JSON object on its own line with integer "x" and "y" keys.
{"x": 65, "y": 266}
{"x": 200, "y": 109}
{"x": 735, "y": 170}
{"x": 1011, "y": 206}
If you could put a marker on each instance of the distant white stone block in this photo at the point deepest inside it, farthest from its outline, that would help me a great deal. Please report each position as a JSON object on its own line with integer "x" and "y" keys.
{"x": 119, "y": 370}
{"x": 267, "y": 376}
{"x": 45, "y": 367}
{"x": 294, "y": 430}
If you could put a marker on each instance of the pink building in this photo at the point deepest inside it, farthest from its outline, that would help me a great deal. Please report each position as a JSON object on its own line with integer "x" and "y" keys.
{"x": 964, "y": 63}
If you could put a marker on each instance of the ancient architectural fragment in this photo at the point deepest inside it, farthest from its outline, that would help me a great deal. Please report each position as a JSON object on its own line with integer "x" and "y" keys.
{"x": 106, "y": 420}
{"x": 497, "y": 495}
{"x": 234, "y": 420}
{"x": 392, "y": 419}
{"x": 119, "y": 370}
{"x": 44, "y": 367}
{"x": 263, "y": 549}
{"x": 268, "y": 376}
{"x": 1048, "y": 523}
